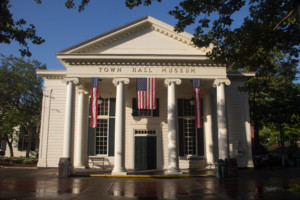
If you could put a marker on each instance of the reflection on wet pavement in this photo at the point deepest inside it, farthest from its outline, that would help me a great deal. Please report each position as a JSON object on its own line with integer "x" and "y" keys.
{"x": 39, "y": 184}
{"x": 146, "y": 189}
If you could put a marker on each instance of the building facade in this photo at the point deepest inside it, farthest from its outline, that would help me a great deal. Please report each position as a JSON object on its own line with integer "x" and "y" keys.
{"x": 129, "y": 138}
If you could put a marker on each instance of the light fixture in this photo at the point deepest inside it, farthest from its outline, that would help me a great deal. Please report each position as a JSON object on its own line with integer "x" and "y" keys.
{"x": 100, "y": 100}
{"x": 192, "y": 102}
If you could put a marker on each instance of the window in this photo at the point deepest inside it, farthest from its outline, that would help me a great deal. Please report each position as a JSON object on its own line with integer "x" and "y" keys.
{"x": 103, "y": 106}
{"x": 190, "y": 139}
{"x": 101, "y": 138}
{"x": 144, "y": 112}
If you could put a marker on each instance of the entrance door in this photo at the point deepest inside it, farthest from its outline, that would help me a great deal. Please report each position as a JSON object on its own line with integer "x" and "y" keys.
{"x": 145, "y": 152}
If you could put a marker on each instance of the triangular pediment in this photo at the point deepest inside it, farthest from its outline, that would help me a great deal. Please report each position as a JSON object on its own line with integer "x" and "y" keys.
{"x": 146, "y": 36}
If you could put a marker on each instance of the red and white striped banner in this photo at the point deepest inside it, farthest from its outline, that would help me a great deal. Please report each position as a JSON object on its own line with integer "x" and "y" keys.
{"x": 197, "y": 100}
{"x": 94, "y": 102}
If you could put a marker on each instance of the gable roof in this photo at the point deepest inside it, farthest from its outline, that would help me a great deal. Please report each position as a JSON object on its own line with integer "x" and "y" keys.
{"x": 135, "y": 30}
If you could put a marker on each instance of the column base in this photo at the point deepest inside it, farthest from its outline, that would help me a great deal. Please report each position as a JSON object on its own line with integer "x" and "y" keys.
{"x": 79, "y": 166}
{"x": 119, "y": 172}
{"x": 173, "y": 171}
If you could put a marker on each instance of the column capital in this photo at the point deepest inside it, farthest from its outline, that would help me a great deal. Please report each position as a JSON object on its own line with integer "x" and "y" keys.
{"x": 75, "y": 80}
{"x": 116, "y": 81}
{"x": 219, "y": 81}
{"x": 169, "y": 81}
{"x": 82, "y": 91}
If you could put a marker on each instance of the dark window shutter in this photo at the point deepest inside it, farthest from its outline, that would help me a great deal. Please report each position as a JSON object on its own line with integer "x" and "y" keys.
{"x": 112, "y": 107}
{"x": 134, "y": 108}
{"x": 3, "y": 145}
{"x": 91, "y": 141}
{"x": 181, "y": 137}
{"x": 180, "y": 107}
{"x": 200, "y": 142}
{"x": 20, "y": 143}
{"x": 111, "y": 139}
{"x": 156, "y": 111}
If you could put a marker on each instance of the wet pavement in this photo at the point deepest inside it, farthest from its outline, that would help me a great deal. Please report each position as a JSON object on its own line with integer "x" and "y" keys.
{"x": 250, "y": 184}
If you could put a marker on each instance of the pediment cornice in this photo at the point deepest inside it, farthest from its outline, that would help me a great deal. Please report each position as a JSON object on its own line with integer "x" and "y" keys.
{"x": 162, "y": 63}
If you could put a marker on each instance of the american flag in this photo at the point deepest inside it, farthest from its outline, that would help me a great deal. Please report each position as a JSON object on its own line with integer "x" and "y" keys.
{"x": 146, "y": 93}
{"x": 197, "y": 99}
{"x": 94, "y": 102}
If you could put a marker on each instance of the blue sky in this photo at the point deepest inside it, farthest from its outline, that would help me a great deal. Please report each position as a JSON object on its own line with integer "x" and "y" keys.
{"x": 62, "y": 27}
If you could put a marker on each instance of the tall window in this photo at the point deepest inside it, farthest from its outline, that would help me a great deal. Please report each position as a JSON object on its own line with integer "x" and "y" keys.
{"x": 102, "y": 136}
{"x": 102, "y": 129}
{"x": 101, "y": 139}
{"x": 190, "y": 138}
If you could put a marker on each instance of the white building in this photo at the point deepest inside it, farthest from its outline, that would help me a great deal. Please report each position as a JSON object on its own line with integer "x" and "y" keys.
{"x": 143, "y": 139}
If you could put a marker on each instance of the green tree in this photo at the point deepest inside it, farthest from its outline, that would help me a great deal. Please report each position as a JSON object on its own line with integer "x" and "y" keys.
{"x": 20, "y": 98}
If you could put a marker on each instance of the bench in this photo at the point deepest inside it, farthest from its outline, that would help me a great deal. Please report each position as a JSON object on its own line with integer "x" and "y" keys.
{"x": 101, "y": 162}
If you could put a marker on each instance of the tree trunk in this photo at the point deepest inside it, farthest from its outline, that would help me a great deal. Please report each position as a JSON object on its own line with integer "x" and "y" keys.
{"x": 9, "y": 143}
{"x": 29, "y": 141}
{"x": 282, "y": 144}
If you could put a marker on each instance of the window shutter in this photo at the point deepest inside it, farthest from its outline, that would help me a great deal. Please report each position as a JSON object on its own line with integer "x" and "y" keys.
{"x": 3, "y": 145}
{"x": 181, "y": 137}
{"x": 156, "y": 111}
{"x": 112, "y": 107}
{"x": 20, "y": 143}
{"x": 111, "y": 139}
{"x": 200, "y": 142}
{"x": 91, "y": 141}
{"x": 180, "y": 107}
{"x": 134, "y": 108}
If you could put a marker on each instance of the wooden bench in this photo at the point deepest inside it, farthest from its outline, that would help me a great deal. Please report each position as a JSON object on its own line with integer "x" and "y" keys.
{"x": 101, "y": 162}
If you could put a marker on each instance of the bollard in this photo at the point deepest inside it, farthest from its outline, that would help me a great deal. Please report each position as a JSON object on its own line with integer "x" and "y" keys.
{"x": 64, "y": 168}
{"x": 221, "y": 169}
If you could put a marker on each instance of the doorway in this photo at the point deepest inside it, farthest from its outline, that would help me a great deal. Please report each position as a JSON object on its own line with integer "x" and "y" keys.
{"x": 145, "y": 152}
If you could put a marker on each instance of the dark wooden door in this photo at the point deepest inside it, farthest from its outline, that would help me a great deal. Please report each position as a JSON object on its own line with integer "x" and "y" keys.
{"x": 145, "y": 152}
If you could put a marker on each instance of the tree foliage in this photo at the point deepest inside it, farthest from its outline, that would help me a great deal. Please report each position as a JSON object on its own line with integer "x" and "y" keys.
{"x": 16, "y": 30}
{"x": 20, "y": 97}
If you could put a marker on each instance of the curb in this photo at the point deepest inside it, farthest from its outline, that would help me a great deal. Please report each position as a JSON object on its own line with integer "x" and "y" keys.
{"x": 148, "y": 176}
{"x": 13, "y": 167}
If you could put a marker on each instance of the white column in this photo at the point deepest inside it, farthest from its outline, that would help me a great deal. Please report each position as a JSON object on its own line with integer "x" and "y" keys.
{"x": 68, "y": 117}
{"x": 222, "y": 118}
{"x": 119, "y": 165}
{"x": 78, "y": 149}
{"x": 173, "y": 162}
{"x": 208, "y": 130}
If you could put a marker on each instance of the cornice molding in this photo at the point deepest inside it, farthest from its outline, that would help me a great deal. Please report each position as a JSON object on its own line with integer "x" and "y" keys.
{"x": 202, "y": 63}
